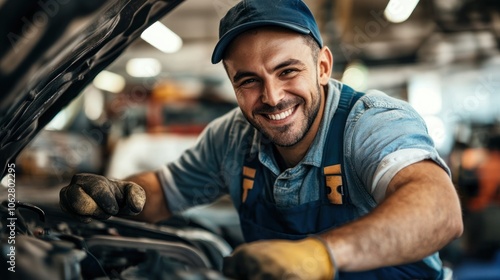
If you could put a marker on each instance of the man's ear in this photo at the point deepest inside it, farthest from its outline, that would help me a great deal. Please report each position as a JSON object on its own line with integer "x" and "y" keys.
{"x": 325, "y": 64}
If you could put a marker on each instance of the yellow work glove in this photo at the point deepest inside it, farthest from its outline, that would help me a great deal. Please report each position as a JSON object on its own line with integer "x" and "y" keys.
{"x": 306, "y": 259}
{"x": 90, "y": 196}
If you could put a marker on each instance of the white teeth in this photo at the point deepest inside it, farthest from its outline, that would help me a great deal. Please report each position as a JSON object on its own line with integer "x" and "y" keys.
{"x": 281, "y": 116}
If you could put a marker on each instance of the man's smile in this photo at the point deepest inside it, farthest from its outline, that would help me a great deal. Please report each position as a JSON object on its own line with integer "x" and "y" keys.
{"x": 282, "y": 115}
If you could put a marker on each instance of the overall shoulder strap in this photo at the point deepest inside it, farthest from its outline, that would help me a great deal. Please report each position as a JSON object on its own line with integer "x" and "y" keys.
{"x": 250, "y": 167}
{"x": 333, "y": 169}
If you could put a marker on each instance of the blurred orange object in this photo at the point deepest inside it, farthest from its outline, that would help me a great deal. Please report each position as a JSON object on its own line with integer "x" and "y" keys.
{"x": 489, "y": 182}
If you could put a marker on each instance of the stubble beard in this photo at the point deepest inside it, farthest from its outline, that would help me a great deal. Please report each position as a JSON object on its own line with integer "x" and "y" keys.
{"x": 281, "y": 136}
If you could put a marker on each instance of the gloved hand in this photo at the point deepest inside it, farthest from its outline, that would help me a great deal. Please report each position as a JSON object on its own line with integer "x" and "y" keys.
{"x": 92, "y": 196}
{"x": 306, "y": 259}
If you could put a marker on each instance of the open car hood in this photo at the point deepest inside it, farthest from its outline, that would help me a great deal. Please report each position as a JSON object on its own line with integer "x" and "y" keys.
{"x": 49, "y": 52}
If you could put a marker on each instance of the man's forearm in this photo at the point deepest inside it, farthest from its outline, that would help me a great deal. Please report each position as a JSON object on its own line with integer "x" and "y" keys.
{"x": 421, "y": 216}
{"x": 156, "y": 208}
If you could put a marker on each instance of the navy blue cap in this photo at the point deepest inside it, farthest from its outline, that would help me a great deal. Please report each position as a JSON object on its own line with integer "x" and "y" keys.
{"x": 249, "y": 14}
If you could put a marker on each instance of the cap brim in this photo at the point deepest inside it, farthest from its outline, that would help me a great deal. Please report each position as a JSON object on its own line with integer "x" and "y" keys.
{"x": 225, "y": 40}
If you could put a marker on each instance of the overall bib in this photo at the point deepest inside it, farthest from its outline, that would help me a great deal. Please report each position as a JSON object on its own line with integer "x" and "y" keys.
{"x": 261, "y": 219}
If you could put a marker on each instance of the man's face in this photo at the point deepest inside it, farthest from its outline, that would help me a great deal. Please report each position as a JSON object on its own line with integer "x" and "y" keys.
{"x": 276, "y": 82}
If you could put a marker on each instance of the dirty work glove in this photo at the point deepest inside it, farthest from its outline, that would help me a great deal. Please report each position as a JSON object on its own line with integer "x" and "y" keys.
{"x": 306, "y": 259}
{"x": 91, "y": 196}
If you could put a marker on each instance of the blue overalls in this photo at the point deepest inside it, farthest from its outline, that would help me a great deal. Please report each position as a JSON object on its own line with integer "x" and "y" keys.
{"x": 261, "y": 219}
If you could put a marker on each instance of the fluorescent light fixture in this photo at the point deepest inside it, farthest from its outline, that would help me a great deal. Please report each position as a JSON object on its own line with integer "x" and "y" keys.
{"x": 162, "y": 38}
{"x": 109, "y": 81}
{"x": 143, "y": 67}
{"x": 399, "y": 10}
{"x": 93, "y": 103}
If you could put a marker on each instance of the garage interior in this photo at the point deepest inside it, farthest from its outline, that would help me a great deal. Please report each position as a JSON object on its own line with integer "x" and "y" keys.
{"x": 149, "y": 105}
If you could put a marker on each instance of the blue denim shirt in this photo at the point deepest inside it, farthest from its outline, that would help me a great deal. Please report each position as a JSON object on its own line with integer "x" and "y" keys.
{"x": 382, "y": 136}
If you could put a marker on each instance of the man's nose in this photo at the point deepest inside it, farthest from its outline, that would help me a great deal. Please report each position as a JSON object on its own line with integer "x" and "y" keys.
{"x": 272, "y": 94}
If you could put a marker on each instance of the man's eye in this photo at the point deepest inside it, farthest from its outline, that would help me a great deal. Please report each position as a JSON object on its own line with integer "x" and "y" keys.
{"x": 247, "y": 82}
{"x": 287, "y": 71}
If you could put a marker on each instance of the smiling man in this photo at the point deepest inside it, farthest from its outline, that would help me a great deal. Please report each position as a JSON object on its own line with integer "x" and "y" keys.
{"x": 277, "y": 87}
{"x": 328, "y": 182}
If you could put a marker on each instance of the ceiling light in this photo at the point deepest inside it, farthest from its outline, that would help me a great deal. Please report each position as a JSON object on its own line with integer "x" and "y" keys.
{"x": 109, "y": 81}
{"x": 162, "y": 38}
{"x": 93, "y": 103}
{"x": 399, "y": 10}
{"x": 143, "y": 67}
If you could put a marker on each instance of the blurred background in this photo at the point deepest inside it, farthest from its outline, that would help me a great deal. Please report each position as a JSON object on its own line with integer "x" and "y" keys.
{"x": 442, "y": 56}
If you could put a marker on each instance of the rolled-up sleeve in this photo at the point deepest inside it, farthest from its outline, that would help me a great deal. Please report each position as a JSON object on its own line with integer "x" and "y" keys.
{"x": 385, "y": 136}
